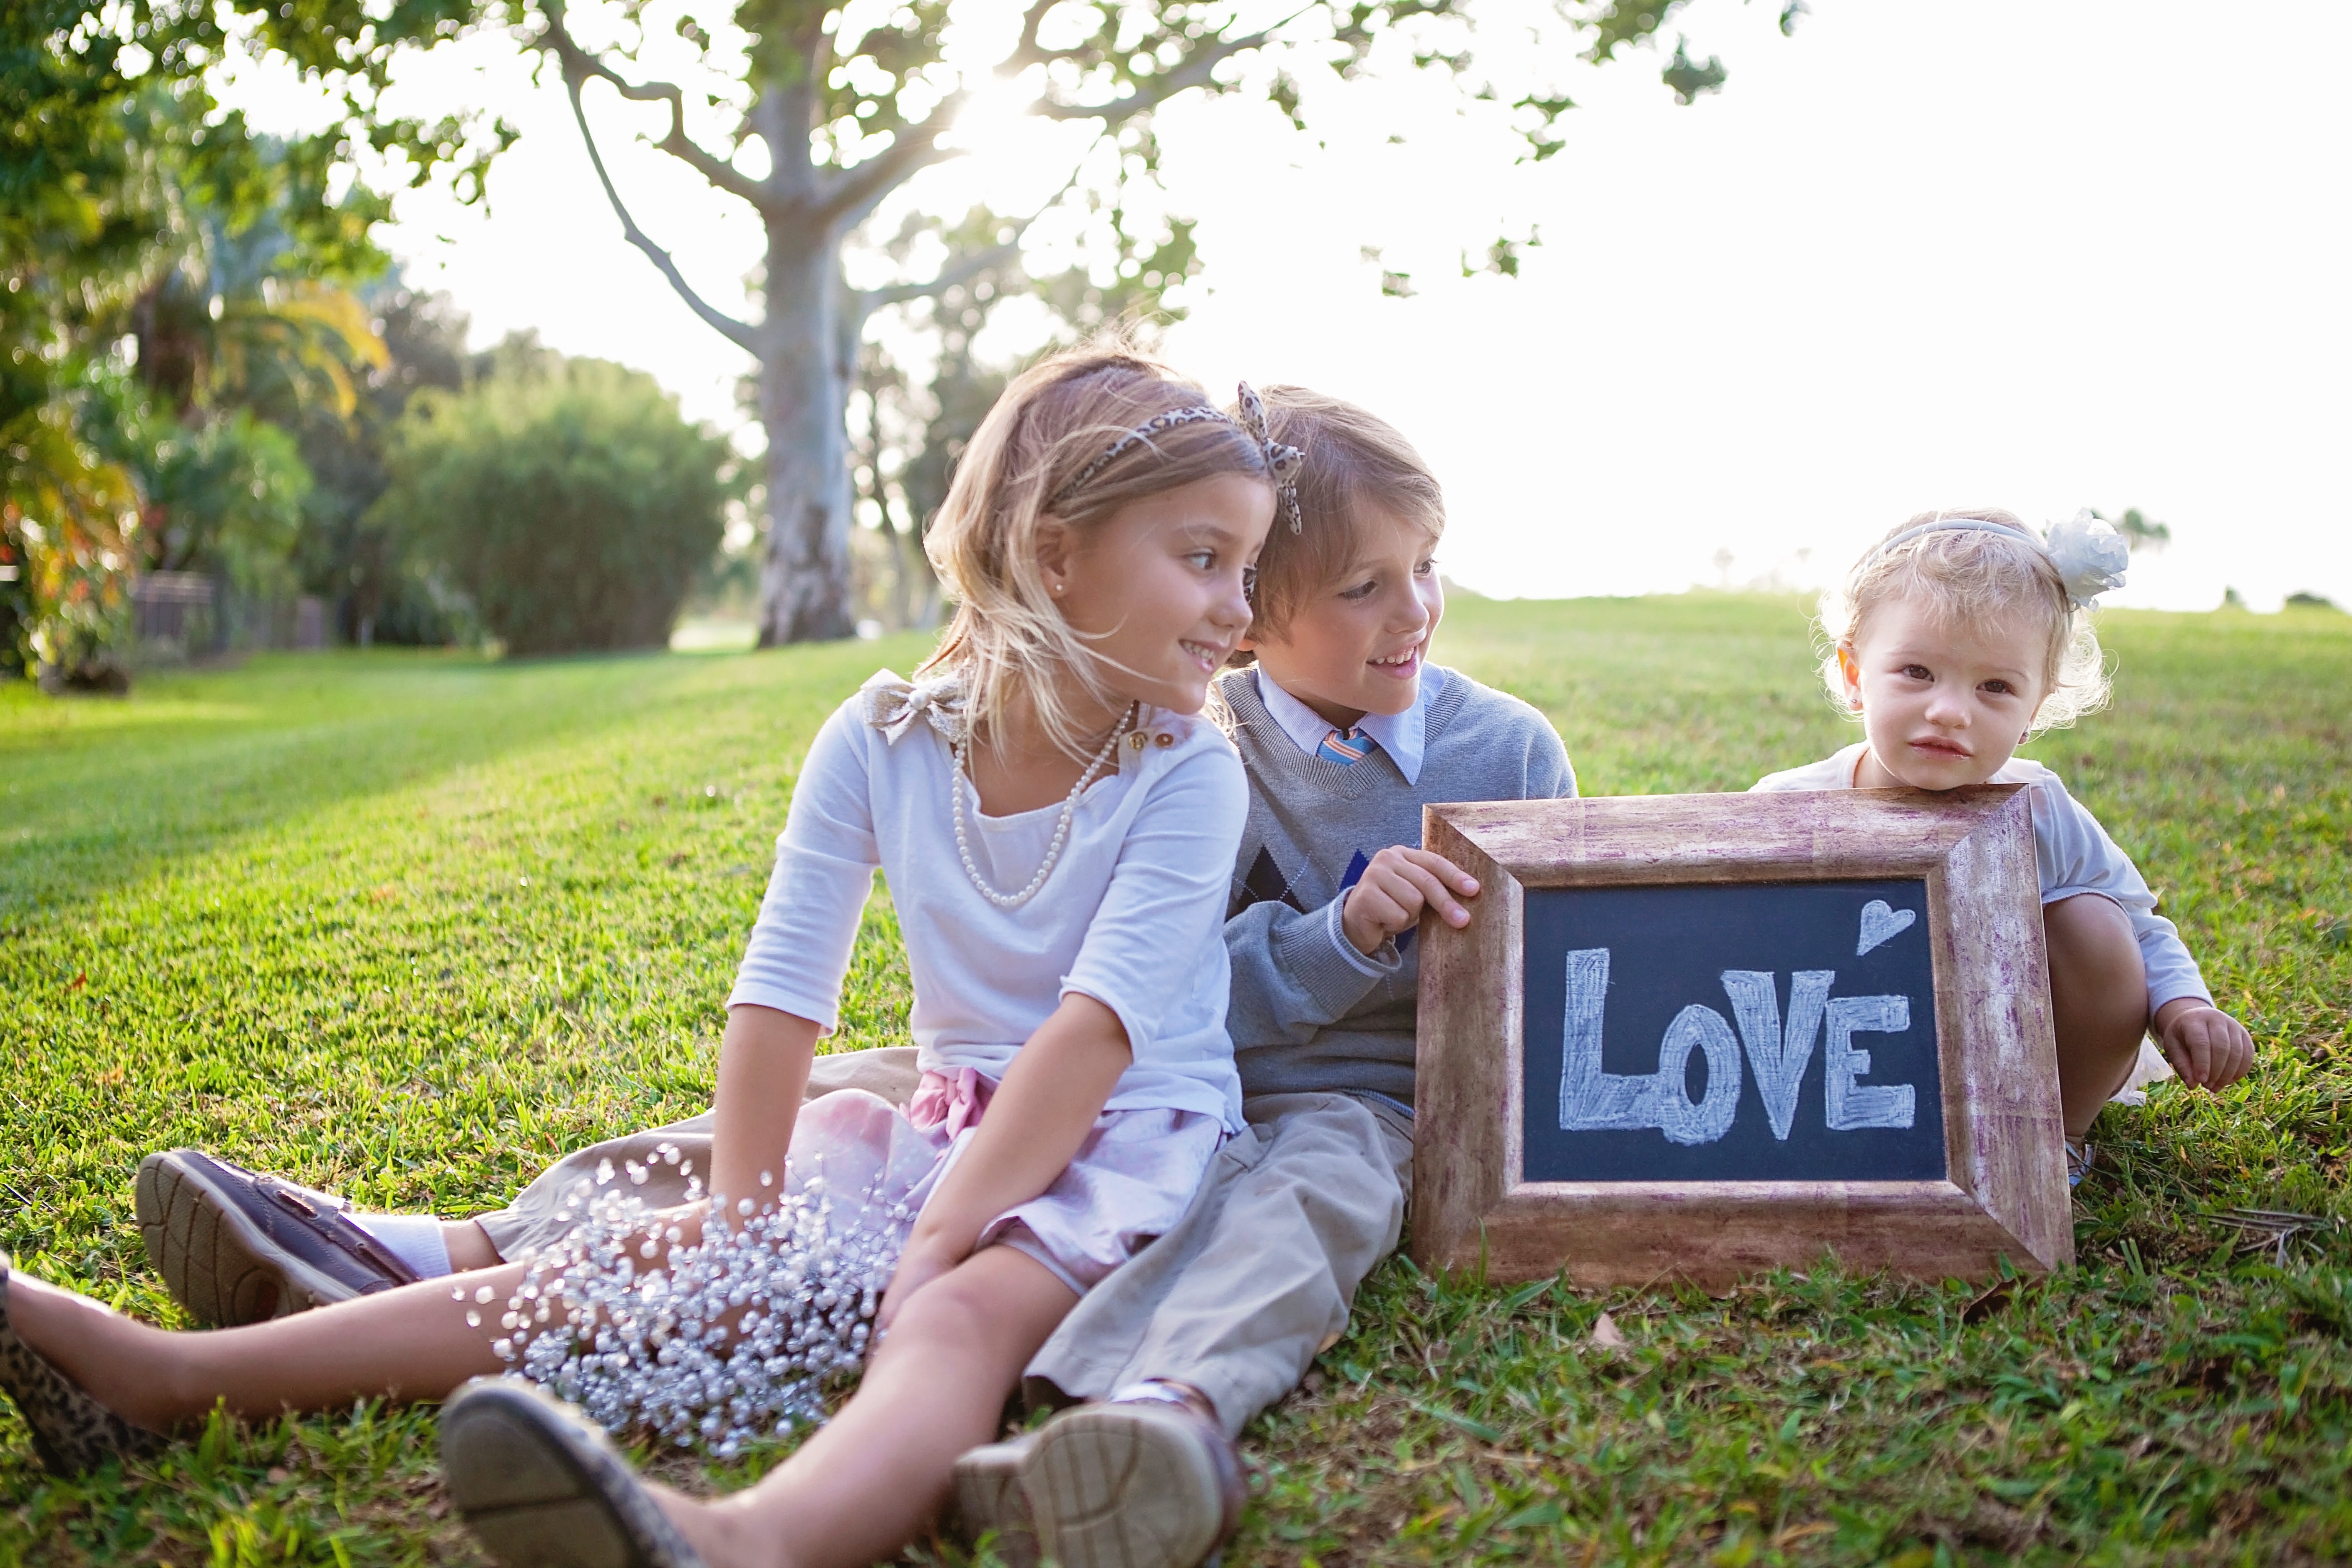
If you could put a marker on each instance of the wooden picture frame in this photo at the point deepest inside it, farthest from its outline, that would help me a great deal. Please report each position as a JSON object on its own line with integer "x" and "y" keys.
{"x": 2002, "y": 1192}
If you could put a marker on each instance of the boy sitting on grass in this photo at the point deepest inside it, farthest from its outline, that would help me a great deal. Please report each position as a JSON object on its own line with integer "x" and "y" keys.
{"x": 1346, "y": 733}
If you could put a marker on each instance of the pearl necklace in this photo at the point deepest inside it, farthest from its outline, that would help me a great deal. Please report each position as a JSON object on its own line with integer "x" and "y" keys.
{"x": 961, "y": 752}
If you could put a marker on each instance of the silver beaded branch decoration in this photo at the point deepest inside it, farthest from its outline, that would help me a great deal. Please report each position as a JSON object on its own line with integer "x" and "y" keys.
{"x": 735, "y": 1337}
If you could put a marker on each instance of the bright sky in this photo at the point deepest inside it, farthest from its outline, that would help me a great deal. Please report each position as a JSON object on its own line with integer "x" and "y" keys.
{"x": 2043, "y": 254}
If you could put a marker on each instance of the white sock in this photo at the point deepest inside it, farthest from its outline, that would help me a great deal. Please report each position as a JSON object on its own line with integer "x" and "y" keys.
{"x": 414, "y": 1238}
{"x": 1150, "y": 1391}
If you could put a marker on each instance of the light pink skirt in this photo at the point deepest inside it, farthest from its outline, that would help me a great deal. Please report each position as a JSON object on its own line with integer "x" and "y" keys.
{"x": 740, "y": 1330}
{"x": 1130, "y": 1181}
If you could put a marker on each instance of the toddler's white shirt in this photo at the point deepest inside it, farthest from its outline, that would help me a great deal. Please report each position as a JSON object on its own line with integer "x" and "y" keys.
{"x": 2071, "y": 852}
{"x": 1133, "y": 915}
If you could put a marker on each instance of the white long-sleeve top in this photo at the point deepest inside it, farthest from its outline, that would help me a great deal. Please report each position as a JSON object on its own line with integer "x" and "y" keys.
{"x": 2071, "y": 852}
{"x": 1132, "y": 915}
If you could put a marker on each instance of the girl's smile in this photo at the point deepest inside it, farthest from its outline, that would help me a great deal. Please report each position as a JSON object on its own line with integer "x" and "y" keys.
{"x": 1159, "y": 589}
{"x": 1209, "y": 657}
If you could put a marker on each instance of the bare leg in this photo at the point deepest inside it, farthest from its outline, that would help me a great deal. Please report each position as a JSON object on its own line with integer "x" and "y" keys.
{"x": 871, "y": 1481}
{"x": 409, "y": 1343}
{"x": 2098, "y": 1002}
{"x": 469, "y": 1246}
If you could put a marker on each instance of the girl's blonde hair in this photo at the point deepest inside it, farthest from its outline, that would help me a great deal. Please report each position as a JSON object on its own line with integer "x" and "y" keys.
{"x": 1358, "y": 465}
{"x": 1008, "y": 639}
{"x": 1969, "y": 575}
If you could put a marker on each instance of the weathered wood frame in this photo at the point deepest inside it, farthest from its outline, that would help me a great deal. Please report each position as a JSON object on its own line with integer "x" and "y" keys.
{"x": 2004, "y": 1195}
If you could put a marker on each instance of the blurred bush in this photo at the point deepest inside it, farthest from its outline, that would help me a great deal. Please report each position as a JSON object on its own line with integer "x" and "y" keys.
{"x": 226, "y": 497}
{"x": 68, "y": 527}
{"x": 568, "y": 499}
{"x": 378, "y": 590}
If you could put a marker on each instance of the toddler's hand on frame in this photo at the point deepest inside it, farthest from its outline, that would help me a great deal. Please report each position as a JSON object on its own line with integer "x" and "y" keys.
{"x": 1401, "y": 881}
{"x": 2208, "y": 1049}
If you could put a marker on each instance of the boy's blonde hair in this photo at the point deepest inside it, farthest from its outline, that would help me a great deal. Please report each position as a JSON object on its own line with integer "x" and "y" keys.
{"x": 1008, "y": 638}
{"x": 1356, "y": 462}
{"x": 1970, "y": 575}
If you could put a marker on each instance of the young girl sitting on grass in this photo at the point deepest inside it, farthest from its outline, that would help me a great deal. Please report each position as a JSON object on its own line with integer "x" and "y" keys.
{"x": 1056, "y": 827}
{"x": 1955, "y": 640}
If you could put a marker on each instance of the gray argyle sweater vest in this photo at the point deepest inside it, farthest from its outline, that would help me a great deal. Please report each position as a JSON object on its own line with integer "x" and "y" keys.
{"x": 1304, "y": 1016}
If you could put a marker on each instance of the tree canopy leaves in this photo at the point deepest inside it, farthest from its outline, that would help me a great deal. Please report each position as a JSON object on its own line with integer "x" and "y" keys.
{"x": 160, "y": 259}
{"x": 132, "y": 205}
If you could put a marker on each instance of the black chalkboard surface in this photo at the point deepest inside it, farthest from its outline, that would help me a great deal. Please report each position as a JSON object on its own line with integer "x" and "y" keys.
{"x": 1645, "y": 1006}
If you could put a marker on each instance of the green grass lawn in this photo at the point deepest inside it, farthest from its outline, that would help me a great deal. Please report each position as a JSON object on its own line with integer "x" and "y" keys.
{"x": 408, "y": 925}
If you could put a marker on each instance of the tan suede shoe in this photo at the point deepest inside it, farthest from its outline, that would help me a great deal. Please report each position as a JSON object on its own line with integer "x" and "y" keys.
{"x": 991, "y": 1507}
{"x": 1133, "y": 1483}
{"x": 541, "y": 1487}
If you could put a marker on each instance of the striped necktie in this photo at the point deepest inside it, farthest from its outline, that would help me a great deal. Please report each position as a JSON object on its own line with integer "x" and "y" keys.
{"x": 1345, "y": 747}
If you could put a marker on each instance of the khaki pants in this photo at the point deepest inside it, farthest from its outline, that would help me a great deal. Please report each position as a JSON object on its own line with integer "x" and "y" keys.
{"x": 1238, "y": 1300}
{"x": 1256, "y": 1278}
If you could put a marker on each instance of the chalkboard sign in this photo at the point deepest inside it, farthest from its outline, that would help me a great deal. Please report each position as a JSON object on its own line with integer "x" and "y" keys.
{"x": 1700, "y": 1036}
{"x": 1732, "y": 1032}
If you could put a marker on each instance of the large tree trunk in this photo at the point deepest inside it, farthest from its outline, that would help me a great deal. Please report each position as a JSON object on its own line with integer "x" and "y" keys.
{"x": 804, "y": 408}
{"x": 918, "y": 584}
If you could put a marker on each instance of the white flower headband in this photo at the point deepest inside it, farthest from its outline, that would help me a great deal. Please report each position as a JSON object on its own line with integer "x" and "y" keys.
{"x": 1282, "y": 462}
{"x": 2089, "y": 554}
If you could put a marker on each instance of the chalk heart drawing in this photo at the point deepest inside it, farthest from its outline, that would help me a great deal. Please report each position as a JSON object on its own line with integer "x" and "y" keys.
{"x": 1880, "y": 923}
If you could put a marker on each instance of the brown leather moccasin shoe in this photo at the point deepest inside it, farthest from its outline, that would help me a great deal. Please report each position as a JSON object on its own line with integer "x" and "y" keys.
{"x": 235, "y": 1247}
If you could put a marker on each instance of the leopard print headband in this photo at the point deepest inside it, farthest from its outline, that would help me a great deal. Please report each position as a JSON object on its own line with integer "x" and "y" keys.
{"x": 1282, "y": 462}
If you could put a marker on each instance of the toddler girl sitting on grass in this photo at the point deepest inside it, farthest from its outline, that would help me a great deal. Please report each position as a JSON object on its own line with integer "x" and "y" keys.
{"x": 1955, "y": 640}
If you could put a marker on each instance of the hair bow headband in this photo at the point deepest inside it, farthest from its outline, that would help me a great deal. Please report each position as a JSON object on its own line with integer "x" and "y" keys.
{"x": 2089, "y": 554}
{"x": 1282, "y": 462}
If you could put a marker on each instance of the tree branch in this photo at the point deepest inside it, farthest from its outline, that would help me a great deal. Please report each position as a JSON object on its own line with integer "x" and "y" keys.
{"x": 865, "y": 302}
{"x": 579, "y": 64}
{"x": 964, "y": 271}
{"x": 1194, "y": 72}
{"x": 1026, "y": 52}
{"x": 862, "y": 187}
{"x": 734, "y": 332}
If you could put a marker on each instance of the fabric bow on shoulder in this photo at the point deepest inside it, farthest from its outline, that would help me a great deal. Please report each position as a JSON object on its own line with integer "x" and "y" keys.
{"x": 893, "y": 703}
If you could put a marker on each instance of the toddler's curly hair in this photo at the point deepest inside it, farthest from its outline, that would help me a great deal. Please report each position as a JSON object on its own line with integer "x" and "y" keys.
{"x": 1968, "y": 575}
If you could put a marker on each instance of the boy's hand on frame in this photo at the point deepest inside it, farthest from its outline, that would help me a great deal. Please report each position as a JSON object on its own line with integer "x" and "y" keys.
{"x": 1401, "y": 881}
{"x": 2208, "y": 1049}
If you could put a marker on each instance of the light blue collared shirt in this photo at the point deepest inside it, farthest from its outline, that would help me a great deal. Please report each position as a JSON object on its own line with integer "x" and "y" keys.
{"x": 1403, "y": 736}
